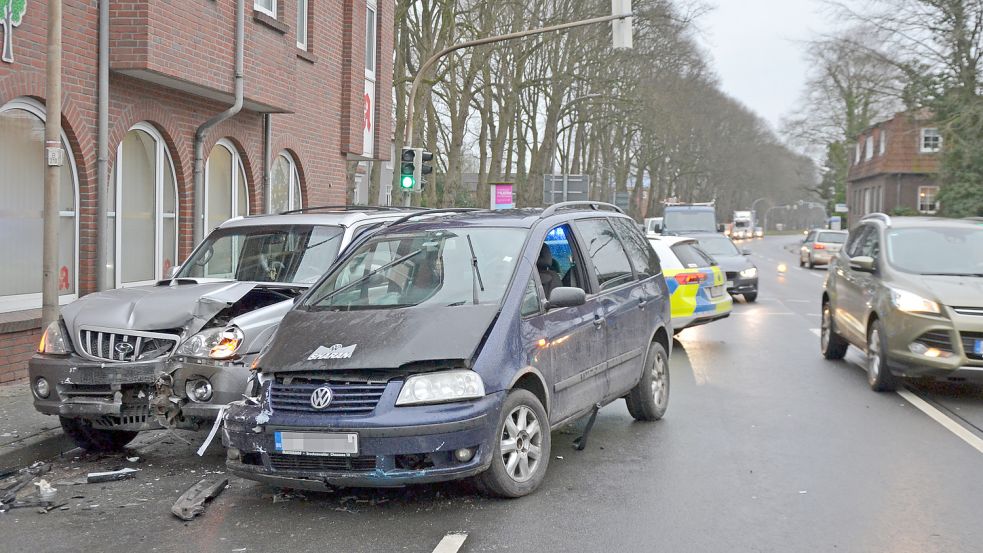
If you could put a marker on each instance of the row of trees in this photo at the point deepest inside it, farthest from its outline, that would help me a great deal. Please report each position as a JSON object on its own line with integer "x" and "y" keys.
{"x": 899, "y": 54}
{"x": 650, "y": 122}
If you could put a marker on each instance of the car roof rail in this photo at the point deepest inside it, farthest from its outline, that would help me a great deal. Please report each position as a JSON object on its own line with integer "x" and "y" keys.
{"x": 882, "y": 217}
{"x": 596, "y": 206}
{"x": 436, "y": 211}
{"x": 348, "y": 207}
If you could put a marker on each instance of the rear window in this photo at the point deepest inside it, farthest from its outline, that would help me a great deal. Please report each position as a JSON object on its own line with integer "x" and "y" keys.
{"x": 691, "y": 256}
{"x": 606, "y": 252}
{"x": 832, "y": 237}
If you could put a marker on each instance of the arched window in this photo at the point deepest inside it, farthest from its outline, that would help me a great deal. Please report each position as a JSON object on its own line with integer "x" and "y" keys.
{"x": 284, "y": 185}
{"x": 143, "y": 210}
{"x": 22, "y": 193}
{"x": 226, "y": 190}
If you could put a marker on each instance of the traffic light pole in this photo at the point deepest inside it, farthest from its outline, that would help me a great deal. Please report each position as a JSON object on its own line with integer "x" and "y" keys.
{"x": 408, "y": 138}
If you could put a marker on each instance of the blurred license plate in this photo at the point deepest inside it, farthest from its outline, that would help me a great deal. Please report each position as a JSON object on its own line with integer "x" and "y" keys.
{"x": 316, "y": 443}
{"x": 716, "y": 291}
{"x": 979, "y": 347}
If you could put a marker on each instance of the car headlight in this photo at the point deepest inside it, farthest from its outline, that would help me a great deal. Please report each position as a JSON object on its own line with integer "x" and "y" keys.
{"x": 216, "y": 343}
{"x": 913, "y": 303}
{"x": 440, "y": 387}
{"x": 749, "y": 273}
{"x": 55, "y": 340}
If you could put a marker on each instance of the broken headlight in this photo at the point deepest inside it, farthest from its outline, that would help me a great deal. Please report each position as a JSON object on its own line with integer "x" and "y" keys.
{"x": 441, "y": 387}
{"x": 55, "y": 340}
{"x": 216, "y": 343}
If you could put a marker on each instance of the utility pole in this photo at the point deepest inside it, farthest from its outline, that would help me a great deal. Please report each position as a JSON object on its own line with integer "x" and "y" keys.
{"x": 54, "y": 158}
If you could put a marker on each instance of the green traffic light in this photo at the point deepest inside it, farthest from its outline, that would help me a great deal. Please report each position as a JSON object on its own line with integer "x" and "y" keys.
{"x": 406, "y": 182}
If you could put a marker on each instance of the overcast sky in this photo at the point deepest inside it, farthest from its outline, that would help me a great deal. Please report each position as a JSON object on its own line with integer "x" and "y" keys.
{"x": 757, "y": 52}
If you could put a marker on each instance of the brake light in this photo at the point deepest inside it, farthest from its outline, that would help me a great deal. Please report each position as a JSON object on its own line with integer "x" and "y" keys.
{"x": 690, "y": 278}
{"x": 819, "y": 247}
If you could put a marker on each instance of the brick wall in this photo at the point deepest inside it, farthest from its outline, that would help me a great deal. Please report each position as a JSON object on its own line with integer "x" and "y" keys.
{"x": 172, "y": 66}
{"x": 16, "y": 349}
{"x": 903, "y": 150}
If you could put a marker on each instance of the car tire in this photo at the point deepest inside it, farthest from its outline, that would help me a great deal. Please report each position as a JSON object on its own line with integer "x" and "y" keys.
{"x": 878, "y": 374}
{"x": 95, "y": 439}
{"x": 810, "y": 263}
{"x": 751, "y": 297}
{"x": 514, "y": 439}
{"x": 802, "y": 262}
{"x": 649, "y": 399}
{"x": 831, "y": 344}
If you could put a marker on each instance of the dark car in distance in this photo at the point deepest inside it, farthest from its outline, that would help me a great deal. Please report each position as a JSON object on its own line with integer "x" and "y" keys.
{"x": 448, "y": 345}
{"x": 741, "y": 272}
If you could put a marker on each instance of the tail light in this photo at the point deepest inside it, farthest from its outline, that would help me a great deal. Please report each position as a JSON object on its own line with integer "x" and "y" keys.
{"x": 819, "y": 247}
{"x": 690, "y": 278}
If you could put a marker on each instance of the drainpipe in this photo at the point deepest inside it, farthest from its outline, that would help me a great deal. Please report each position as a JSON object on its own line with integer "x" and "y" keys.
{"x": 103, "y": 236}
{"x": 267, "y": 161}
{"x": 199, "y": 167}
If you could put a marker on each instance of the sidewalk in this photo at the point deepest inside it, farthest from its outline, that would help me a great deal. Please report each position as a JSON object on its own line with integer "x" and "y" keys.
{"x": 26, "y": 435}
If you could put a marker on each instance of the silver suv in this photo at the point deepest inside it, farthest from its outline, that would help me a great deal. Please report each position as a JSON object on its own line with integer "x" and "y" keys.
{"x": 175, "y": 352}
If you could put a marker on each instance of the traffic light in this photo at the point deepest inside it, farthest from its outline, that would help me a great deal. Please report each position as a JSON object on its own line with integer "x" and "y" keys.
{"x": 407, "y": 169}
{"x": 426, "y": 166}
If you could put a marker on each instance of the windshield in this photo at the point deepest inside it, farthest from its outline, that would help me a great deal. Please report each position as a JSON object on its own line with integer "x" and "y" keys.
{"x": 832, "y": 237}
{"x": 945, "y": 251}
{"x": 432, "y": 268}
{"x": 296, "y": 254}
{"x": 690, "y": 220}
{"x": 719, "y": 246}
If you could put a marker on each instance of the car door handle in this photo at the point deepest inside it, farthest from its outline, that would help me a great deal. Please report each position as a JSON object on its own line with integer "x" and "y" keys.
{"x": 598, "y": 321}
{"x": 642, "y": 303}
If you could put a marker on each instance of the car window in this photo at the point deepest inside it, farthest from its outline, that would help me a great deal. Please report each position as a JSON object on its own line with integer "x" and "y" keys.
{"x": 689, "y": 255}
{"x": 644, "y": 259}
{"x": 530, "y": 299}
{"x": 831, "y": 237}
{"x": 566, "y": 260}
{"x": 855, "y": 241}
{"x": 606, "y": 252}
{"x": 871, "y": 245}
{"x": 667, "y": 259}
{"x": 719, "y": 245}
{"x": 811, "y": 237}
{"x": 708, "y": 260}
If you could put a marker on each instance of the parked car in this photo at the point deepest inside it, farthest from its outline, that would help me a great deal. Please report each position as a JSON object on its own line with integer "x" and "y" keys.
{"x": 741, "y": 273}
{"x": 653, "y": 225}
{"x": 697, "y": 286}
{"x": 909, "y": 292}
{"x": 450, "y": 347}
{"x": 759, "y": 232}
{"x": 194, "y": 334}
{"x": 820, "y": 246}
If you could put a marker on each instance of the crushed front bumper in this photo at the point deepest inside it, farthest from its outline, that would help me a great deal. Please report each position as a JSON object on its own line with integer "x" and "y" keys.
{"x": 112, "y": 395}
{"x": 397, "y": 445}
{"x": 173, "y": 406}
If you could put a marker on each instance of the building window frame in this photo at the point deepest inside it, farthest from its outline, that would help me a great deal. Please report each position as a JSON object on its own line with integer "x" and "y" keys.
{"x": 238, "y": 168}
{"x": 270, "y": 11}
{"x": 20, "y": 302}
{"x": 371, "y": 23}
{"x": 926, "y": 206}
{"x": 303, "y": 24}
{"x": 869, "y": 148}
{"x": 933, "y": 134}
{"x": 883, "y": 142}
{"x": 856, "y": 153}
{"x": 295, "y": 195}
{"x": 161, "y": 155}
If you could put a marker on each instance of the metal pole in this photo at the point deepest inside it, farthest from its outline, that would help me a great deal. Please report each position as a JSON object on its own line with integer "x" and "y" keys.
{"x": 103, "y": 234}
{"x": 52, "y": 174}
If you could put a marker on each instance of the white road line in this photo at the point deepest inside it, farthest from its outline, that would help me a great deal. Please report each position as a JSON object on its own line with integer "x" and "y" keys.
{"x": 941, "y": 418}
{"x": 451, "y": 543}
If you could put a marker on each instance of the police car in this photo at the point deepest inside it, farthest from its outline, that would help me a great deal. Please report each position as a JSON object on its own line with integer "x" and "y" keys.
{"x": 697, "y": 286}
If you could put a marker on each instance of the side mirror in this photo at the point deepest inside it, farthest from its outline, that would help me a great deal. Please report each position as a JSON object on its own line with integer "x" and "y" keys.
{"x": 567, "y": 296}
{"x": 745, "y": 251}
{"x": 172, "y": 272}
{"x": 657, "y": 229}
{"x": 721, "y": 227}
{"x": 862, "y": 263}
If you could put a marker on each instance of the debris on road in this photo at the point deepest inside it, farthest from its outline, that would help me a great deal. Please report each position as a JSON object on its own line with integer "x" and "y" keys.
{"x": 45, "y": 491}
{"x": 192, "y": 502}
{"x": 110, "y": 476}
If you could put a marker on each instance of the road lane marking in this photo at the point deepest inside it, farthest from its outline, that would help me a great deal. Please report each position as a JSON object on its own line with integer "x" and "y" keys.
{"x": 451, "y": 543}
{"x": 938, "y": 416}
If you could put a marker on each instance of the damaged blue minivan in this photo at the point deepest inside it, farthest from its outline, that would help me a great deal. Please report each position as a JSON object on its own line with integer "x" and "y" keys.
{"x": 449, "y": 343}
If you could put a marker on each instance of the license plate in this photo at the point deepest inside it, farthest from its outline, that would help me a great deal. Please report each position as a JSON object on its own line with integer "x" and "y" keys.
{"x": 716, "y": 291}
{"x": 316, "y": 443}
{"x": 979, "y": 347}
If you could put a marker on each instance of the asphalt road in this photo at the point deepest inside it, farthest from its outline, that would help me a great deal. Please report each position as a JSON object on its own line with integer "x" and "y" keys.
{"x": 765, "y": 447}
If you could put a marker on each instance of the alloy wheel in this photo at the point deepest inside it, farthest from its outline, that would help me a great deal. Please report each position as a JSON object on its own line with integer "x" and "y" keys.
{"x": 659, "y": 375}
{"x": 521, "y": 443}
{"x": 874, "y": 355}
{"x": 827, "y": 327}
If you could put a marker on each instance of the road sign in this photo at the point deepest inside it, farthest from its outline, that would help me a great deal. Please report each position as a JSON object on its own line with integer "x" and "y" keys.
{"x": 565, "y": 188}
{"x": 622, "y": 200}
{"x": 501, "y": 196}
{"x": 841, "y": 208}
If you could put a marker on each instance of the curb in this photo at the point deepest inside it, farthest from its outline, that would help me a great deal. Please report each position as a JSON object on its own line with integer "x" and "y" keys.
{"x": 37, "y": 447}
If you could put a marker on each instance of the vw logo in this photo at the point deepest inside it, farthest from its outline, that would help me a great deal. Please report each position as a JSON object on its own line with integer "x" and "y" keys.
{"x": 123, "y": 348}
{"x": 321, "y": 397}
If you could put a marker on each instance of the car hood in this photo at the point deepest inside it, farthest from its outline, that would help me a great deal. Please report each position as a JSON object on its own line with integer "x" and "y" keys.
{"x": 733, "y": 263}
{"x": 955, "y": 291}
{"x": 376, "y": 339}
{"x": 167, "y": 305}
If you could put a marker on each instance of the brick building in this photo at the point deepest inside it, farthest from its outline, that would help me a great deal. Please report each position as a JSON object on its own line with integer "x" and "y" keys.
{"x": 310, "y": 120}
{"x": 894, "y": 166}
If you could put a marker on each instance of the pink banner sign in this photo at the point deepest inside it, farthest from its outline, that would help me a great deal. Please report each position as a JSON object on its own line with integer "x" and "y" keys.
{"x": 502, "y": 196}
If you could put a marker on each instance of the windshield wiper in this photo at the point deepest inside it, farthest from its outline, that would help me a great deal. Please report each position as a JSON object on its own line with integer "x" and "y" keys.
{"x": 954, "y": 274}
{"x": 367, "y": 276}
{"x": 475, "y": 273}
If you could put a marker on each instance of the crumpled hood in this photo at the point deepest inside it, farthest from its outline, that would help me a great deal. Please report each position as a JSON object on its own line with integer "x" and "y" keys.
{"x": 155, "y": 307}
{"x": 376, "y": 339}
{"x": 954, "y": 291}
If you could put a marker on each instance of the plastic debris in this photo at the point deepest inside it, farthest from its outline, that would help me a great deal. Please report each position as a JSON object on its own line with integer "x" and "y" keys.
{"x": 211, "y": 435}
{"x": 110, "y": 476}
{"x": 192, "y": 502}
{"x": 45, "y": 491}
{"x": 133, "y": 459}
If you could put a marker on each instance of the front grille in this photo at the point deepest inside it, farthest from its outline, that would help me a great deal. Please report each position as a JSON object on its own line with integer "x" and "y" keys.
{"x": 346, "y": 399}
{"x": 978, "y": 311}
{"x": 969, "y": 344}
{"x": 938, "y": 339}
{"x": 280, "y": 461}
{"x": 130, "y": 415}
{"x": 731, "y": 275}
{"x": 125, "y": 345}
